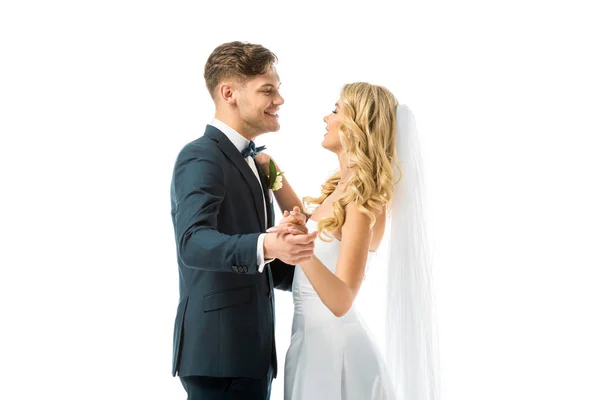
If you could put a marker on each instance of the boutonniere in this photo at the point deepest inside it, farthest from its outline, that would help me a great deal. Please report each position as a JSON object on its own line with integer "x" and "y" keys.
{"x": 275, "y": 177}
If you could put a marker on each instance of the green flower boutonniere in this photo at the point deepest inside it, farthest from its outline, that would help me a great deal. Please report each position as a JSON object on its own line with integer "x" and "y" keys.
{"x": 275, "y": 177}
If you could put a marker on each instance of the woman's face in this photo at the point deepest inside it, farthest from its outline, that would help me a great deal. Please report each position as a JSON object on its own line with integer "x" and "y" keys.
{"x": 332, "y": 141}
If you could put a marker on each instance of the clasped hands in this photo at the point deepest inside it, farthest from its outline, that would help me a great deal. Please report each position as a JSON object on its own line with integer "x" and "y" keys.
{"x": 290, "y": 241}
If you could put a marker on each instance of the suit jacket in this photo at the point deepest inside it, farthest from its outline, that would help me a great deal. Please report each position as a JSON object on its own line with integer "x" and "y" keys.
{"x": 225, "y": 317}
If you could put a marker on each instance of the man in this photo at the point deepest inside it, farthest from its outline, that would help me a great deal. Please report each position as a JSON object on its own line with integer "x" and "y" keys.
{"x": 224, "y": 345}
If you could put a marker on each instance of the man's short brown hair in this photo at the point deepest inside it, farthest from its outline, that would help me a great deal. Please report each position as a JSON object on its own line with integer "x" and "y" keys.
{"x": 237, "y": 60}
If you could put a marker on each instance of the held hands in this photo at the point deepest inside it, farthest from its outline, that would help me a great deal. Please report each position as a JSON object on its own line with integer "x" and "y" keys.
{"x": 293, "y": 222}
{"x": 290, "y": 241}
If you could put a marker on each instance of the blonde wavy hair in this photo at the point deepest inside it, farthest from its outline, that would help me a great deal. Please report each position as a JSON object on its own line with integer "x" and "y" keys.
{"x": 368, "y": 136}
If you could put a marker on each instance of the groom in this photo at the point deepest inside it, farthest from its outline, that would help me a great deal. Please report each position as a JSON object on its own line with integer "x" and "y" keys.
{"x": 224, "y": 345}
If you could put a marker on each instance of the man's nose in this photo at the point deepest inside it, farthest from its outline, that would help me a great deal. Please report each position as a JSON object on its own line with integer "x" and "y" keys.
{"x": 279, "y": 100}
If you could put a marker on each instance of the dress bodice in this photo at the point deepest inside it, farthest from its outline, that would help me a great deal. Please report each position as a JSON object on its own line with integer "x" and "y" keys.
{"x": 303, "y": 293}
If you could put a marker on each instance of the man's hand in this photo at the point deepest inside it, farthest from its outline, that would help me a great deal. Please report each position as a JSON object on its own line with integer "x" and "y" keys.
{"x": 290, "y": 248}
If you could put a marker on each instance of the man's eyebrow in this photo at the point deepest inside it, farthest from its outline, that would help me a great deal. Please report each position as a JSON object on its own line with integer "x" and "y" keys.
{"x": 264, "y": 85}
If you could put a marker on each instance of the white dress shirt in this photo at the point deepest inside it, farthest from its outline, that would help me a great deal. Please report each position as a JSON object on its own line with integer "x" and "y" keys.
{"x": 241, "y": 143}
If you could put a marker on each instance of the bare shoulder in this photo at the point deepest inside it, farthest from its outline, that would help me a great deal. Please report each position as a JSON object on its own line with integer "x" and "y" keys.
{"x": 356, "y": 219}
{"x": 358, "y": 225}
{"x": 358, "y": 214}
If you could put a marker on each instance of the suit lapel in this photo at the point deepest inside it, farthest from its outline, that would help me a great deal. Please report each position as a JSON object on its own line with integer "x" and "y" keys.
{"x": 266, "y": 197}
{"x": 236, "y": 158}
{"x": 270, "y": 223}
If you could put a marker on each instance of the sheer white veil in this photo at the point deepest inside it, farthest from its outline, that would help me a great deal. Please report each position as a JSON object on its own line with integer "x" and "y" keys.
{"x": 411, "y": 340}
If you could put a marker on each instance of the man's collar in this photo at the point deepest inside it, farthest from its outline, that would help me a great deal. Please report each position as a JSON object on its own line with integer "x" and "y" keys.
{"x": 234, "y": 136}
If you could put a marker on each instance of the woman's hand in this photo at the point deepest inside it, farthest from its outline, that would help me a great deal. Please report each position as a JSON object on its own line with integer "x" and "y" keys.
{"x": 263, "y": 159}
{"x": 293, "y": 222}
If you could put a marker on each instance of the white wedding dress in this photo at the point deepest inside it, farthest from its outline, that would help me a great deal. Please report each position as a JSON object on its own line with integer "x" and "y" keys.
{"x": 331, "y": 358}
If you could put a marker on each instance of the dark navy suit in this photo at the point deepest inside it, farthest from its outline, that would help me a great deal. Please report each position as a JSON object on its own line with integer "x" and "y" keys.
{"x": 224, "y": 329}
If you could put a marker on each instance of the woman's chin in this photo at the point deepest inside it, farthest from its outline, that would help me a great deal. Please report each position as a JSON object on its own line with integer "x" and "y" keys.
{"x": 329, "y": 146}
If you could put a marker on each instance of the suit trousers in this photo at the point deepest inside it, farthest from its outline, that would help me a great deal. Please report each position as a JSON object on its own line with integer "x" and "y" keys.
{"x": 211, "y": 388}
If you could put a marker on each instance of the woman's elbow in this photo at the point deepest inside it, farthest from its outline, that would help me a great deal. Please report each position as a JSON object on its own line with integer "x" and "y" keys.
{"x": 342, "y": 310}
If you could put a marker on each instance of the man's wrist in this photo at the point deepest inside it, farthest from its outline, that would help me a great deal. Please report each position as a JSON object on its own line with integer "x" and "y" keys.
{"x": 261, "y": 260}
{"x": 267, "y": 246}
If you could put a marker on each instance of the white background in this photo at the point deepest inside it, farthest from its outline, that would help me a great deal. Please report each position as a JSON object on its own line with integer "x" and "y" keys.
{"x": 97, "y": 98}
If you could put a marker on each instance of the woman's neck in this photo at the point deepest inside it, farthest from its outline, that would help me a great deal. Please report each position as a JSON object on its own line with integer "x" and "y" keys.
{"x": 345, "y": 172}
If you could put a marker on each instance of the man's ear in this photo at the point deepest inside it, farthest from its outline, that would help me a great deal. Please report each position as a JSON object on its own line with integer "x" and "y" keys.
{"x": 228, "y": 93}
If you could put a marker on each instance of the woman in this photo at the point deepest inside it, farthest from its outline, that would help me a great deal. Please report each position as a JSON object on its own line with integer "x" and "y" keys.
{"x": 331, "y": 355}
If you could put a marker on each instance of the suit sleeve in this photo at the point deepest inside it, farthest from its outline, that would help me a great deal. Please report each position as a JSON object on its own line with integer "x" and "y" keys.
{"x": 283, "y": 275}
{"x": 198, "y": 189}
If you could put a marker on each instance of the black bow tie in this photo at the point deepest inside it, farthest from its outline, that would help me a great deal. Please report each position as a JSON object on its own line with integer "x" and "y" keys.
{"x": 252, "y": 150}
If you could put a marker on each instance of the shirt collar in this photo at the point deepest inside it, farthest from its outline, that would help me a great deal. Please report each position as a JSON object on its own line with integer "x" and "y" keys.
{"x": 234, "y": 136}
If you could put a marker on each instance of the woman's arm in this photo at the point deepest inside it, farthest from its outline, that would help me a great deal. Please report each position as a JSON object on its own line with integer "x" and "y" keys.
{"x": 338, "y": 291}
{"x": 286, "y": 196}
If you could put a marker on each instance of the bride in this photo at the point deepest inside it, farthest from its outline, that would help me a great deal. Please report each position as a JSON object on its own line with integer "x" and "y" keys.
{"x": 376, "y": 192}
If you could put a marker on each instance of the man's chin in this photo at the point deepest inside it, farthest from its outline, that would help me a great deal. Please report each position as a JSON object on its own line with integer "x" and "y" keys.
{"x": 273, "y": 127}
{"x": 268, "y": 129}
